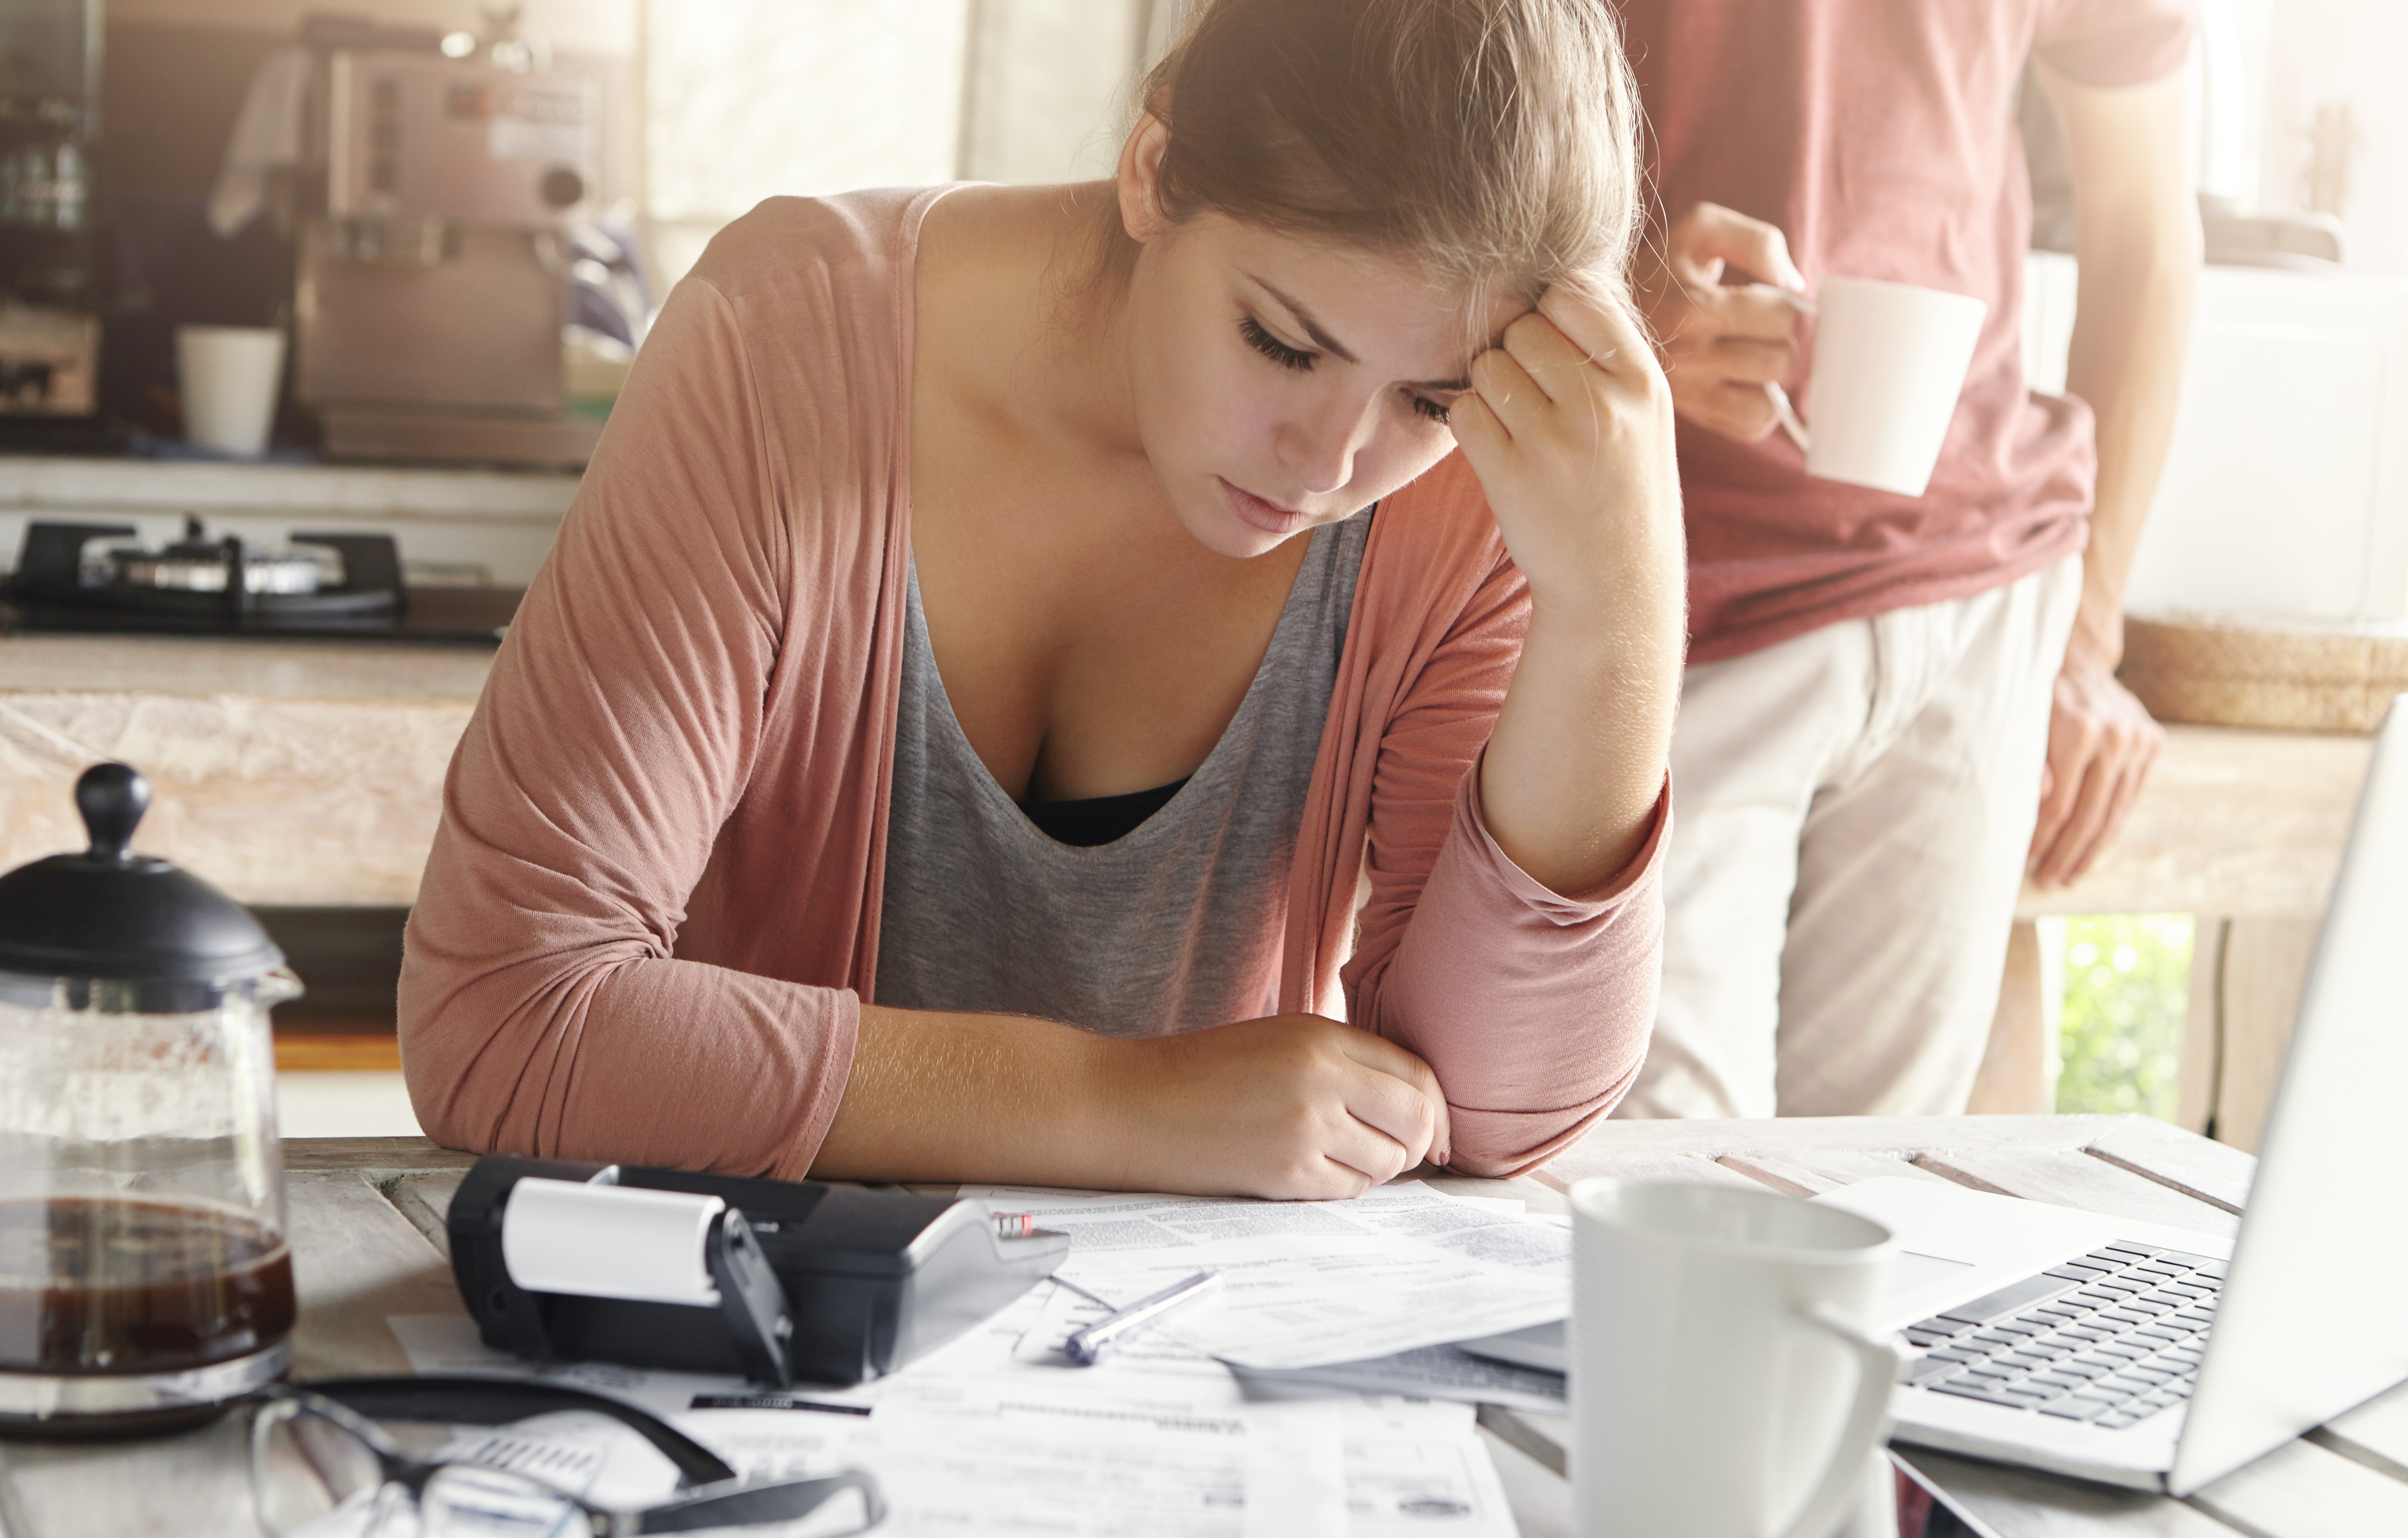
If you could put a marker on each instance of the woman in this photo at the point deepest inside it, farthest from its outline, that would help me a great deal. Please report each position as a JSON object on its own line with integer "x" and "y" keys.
{"x": 996, "y": 607}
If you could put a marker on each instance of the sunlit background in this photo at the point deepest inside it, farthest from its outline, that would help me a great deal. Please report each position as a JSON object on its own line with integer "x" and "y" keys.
{"x": 709, "y": 106}
{"x": 716, "y": 103}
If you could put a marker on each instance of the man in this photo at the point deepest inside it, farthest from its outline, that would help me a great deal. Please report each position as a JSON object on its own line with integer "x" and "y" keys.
{"x": 1896, "y": 706}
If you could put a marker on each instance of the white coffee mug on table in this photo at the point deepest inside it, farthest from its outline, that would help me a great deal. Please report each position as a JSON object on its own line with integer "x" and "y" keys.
{"x": 1724, "y": 1381}
{"x": 1888, "y": 366}
{"x": 228, "y": 376}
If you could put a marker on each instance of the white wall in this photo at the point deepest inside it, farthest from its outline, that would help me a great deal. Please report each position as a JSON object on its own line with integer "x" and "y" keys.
{"x": 2353, "y": 51}
{"x": 2286, "y": 488}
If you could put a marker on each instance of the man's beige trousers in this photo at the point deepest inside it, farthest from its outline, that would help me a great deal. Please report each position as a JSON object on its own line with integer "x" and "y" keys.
{"x": 1853, "y": 809}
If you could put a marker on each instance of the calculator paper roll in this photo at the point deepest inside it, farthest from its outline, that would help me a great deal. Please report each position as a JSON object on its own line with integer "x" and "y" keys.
{"x": 610, "y": 1242}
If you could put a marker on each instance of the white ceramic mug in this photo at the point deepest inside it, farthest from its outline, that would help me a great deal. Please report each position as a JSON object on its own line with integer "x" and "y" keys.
{"x": 1890, "y": 365}
{"x": 228, "y": 375}
{"x": 1724, "y": 1381}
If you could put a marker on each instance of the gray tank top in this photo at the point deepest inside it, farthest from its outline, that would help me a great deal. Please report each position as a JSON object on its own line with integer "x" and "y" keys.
{"x": 1175, "y": 925}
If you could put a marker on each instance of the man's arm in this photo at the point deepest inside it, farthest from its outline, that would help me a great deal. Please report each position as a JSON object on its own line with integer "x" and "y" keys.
{"x": 2138, "y": 242}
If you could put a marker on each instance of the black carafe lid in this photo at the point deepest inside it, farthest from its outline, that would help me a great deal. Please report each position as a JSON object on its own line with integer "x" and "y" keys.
{"x": 115, "y": 916}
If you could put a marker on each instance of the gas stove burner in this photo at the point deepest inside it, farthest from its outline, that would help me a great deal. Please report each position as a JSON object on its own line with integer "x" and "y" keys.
{"x": 331, "y": 585}
{"x": 207, "y": 584}
{"x": 199, "y": 565}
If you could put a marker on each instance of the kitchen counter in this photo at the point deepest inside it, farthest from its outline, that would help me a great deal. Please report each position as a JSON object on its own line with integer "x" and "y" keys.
{"x": 310, "y": 773}
{"x": 296, "y": 773}
{"x": 198, "y": 667}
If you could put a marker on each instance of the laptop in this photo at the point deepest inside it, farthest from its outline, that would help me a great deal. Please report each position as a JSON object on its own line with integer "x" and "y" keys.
{"x": 2163, "y": 1359}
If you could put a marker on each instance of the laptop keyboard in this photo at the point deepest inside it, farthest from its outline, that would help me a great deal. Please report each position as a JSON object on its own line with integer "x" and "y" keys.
{"x": 2110, "y": 1338}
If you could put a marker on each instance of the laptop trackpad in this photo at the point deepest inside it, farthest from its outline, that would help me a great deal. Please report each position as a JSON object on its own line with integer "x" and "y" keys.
{"x": 1914, "y": 1270}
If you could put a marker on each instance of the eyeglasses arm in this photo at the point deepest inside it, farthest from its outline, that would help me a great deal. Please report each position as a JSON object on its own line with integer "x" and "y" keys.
{"x": 785, "y": 1501}
{"x": 498, "y": 1401}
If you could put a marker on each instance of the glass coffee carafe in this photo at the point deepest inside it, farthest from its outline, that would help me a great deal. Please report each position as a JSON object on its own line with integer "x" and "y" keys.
{"x": 144, "y": 1277}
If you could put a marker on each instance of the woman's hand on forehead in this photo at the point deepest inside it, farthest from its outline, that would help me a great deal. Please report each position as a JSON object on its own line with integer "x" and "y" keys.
{"x": 1569, "y": 426}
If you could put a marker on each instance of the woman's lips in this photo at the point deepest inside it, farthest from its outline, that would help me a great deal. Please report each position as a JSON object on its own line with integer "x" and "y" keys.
{"x": 1269, "y": 517}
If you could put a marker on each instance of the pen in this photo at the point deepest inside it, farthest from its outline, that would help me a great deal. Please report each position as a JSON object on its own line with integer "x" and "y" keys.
{"x": 1090, "y": 1345}
{"x": 1783, "y": 412}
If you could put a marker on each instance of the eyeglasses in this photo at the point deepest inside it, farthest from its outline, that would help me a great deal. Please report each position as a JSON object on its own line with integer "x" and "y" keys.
{"x": 333, "y": 1461}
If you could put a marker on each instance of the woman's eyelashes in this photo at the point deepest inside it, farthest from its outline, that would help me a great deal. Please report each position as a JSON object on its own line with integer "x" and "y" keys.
{"x": 1273, "y": 347}
{"x": 1261, "y": 340}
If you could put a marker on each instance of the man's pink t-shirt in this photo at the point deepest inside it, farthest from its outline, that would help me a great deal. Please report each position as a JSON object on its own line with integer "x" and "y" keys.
{"x": 1880, "y": 135}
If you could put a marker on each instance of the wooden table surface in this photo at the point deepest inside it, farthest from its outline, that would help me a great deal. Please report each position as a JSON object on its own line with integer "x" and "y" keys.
{"x": 366, "y": 1223}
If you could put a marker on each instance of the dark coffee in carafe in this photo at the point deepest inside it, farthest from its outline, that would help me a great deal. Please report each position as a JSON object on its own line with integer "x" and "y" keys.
{"x": 97, "y": 1286}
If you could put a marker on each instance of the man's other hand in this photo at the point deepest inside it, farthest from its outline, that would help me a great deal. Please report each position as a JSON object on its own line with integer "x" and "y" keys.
{"x": 1721, "y": 344}
{"x": 2101, "y": 744}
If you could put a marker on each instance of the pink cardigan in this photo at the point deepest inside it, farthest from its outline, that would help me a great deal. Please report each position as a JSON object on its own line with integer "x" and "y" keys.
{"x": 651, "y": 912}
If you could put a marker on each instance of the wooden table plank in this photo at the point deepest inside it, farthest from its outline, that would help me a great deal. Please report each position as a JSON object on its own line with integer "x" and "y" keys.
{"x": 357, "y": 1261}
{"x": 1810, "y": 1172}
{"x": 426, "y": 1201}
{"x": 1541, "y": 1498}
{"x": 1537, "y": 1196}
{"x": 191, "y": 1486}
{"x": 1612, "y": 1143}
{"x": 2076, "y": 1180}
{"x": 2215, "y": 1172}
{"x": 2133, "y": 1166}
{"x": 386, "y": 1157}
{"x": 2376, "y": 1433}
{"x": 1698, "y": 1168}
{"x": 2231, "y": 821}
{"x": 2021, "y": 1504}
{"x": 2302, "y": 1490}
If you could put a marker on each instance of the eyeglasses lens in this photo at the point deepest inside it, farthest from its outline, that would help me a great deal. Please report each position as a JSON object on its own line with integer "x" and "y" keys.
{"x": 466, "y": 1502}
{"x": 314, "y": 1478}
{"x": 305, "y": 1469}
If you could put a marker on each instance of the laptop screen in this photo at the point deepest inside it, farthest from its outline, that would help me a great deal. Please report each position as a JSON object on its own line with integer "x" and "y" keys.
{"x": 2314, "y": 1314}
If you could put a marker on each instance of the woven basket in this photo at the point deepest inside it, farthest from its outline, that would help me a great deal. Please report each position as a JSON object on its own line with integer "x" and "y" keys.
{"x": 2293, "y": 675}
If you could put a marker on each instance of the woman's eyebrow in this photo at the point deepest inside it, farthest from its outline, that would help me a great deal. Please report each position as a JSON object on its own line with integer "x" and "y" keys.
{"x": 1331, "y": 345}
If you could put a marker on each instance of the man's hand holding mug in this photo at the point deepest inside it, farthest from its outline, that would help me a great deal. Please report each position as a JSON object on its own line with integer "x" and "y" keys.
{"x": 1722, "y": 344}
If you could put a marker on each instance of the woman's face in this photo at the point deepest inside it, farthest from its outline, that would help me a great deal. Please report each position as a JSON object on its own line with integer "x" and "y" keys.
{"x": 1280, "y": 382}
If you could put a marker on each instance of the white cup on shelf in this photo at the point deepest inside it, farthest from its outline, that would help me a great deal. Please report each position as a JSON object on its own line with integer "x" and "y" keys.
{"x": 1888, "y": 366}
{"x": 1725, "y": 1380}
{"x": 229, "y": 375}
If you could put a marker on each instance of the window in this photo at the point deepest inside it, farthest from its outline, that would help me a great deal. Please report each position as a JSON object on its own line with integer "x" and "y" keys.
{"x": 748, "y": 99}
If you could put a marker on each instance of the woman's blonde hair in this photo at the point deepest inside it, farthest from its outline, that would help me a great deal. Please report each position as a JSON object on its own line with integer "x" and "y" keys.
{"x": 1492, "y": 142}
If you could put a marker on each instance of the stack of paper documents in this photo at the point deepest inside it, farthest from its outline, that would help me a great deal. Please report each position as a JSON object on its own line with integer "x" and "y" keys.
{"x": 1251, "y": 1414}
{"x": 1314, "y": 1283}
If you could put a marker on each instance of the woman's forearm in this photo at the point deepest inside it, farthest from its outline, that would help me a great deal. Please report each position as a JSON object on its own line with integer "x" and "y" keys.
{"x": 1575, "y": 765}
{"x": 1289, "y": 1106}
{"x": 947, "y": 1097}
{"x": 1533, "y": 1009}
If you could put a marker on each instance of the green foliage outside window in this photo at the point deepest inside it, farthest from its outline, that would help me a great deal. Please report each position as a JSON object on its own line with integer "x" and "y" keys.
{"x": 2127, "y": 982}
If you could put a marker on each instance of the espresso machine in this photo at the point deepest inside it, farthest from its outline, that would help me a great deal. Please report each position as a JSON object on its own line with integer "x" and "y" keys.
{"x": 50, "y": 115}
{"x": 433, "y": 277}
